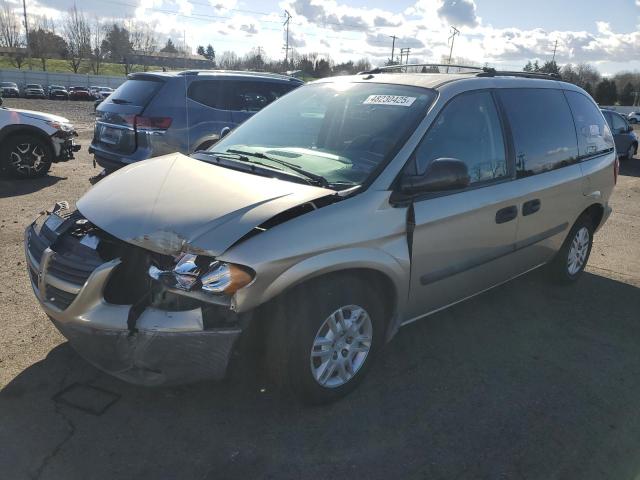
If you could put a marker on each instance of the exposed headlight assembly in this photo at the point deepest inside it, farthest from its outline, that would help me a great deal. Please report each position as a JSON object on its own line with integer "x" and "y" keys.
{"x": 65, "y": 127}
{"x": 194, "y": 272}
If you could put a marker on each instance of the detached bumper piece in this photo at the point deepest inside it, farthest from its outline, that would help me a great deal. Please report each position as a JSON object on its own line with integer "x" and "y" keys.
{"x": 67, "y": 145}
{"x": 70, "y": 265}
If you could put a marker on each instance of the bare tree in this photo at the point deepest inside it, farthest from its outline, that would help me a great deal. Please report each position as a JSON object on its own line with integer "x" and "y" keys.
{"x": 10, "y": 34}
{"x": 144, "y": 41}
{"x": 77, "y": 34}
{"x": 96, "y": 42}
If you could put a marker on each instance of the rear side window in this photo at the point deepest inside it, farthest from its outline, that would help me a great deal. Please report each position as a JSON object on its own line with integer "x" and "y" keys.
{"x": 618, "y": 124}
{"x": 254, "y": 96}
{"x": 135, "y": 92}
{"x": 543, "y": 130}
{"x": 594, "y": 136}
{"x": 467, "y": 129}
{"x": 206, "y": 92}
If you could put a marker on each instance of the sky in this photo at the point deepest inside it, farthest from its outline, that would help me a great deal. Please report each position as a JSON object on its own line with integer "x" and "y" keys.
{"x": 499, "y": 33}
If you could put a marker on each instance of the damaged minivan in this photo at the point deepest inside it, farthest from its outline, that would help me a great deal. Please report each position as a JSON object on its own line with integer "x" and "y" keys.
{"x": 344, "y": 210}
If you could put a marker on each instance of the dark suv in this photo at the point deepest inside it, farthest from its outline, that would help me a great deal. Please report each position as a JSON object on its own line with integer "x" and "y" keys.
{"x": 157, "y": 113}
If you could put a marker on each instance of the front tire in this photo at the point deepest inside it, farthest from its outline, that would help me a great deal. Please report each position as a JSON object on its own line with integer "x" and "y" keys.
{"x": 334, "y": 328}
{"x": 25, "y": 156}
{"x": 633, "y": 149}
{"x": 572, "y": 258}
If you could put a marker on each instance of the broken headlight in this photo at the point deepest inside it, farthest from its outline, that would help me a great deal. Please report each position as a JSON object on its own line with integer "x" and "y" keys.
{"x": 197, "y": 272}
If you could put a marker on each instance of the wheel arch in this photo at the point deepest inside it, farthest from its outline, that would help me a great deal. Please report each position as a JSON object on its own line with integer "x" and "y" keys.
{"x": 370, "y": 265}
{"x": 595, "y": 212}
{"x": 11, "y": 130}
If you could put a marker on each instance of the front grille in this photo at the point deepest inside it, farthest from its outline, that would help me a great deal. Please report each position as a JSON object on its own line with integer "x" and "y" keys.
{"x": 59, "y": 298}
{"x": 71, "y": 268}
{"x": 69, "y": 261}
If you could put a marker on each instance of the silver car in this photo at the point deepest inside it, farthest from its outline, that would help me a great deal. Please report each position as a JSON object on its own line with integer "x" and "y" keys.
{"x": 344, "y": 210}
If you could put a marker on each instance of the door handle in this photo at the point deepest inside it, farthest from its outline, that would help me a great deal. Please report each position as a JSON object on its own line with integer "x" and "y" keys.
{"x": 506, "y": 214}
{"x": 532, "y": 206}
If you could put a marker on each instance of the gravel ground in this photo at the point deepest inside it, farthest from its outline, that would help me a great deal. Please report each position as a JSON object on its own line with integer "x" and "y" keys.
{"x": 525, "y": 381}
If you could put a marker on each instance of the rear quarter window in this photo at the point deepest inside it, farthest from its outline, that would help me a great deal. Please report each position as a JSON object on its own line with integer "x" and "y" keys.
{"x": 594, "y": 136}
{"x": 135, "y": 92}
{"x": 543, "y": 131}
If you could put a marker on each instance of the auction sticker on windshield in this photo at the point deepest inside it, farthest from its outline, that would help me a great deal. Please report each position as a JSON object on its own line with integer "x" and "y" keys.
{"x": 398, "y": 100}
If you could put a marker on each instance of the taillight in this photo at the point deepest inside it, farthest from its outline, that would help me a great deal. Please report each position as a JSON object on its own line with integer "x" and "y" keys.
{"x": 152, "y": 123}
{"x": 616, "y": 170}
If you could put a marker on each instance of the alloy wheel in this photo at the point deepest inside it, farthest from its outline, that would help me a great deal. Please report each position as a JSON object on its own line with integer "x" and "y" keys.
{"x": 28, "y": 158}
{"x": 578, "y": 251}
{"x": 341, "y": 346}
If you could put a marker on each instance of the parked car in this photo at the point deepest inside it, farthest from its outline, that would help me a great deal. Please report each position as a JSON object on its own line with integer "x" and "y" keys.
{"x": 34, "y": 90}
{"x": 9, "y": 89}
{"x": 346, "y": 209}
{"x": 625, "y": 138}
{"x": 58, "y": 91}
{"x": 634, "y": 117}
{"x": 31, "y": 141}
{"x": 153, "y": 114}
{"x": 79, "y": 93}
{"x": 101, "y": 94}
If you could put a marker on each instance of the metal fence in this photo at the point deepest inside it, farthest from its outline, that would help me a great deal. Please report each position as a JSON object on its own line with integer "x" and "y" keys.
{"x": 22, "y": 77}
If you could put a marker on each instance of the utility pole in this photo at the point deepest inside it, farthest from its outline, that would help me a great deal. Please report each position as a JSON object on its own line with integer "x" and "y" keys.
{"x": 286, "y": 47}
{"x": 452, "y": 39}
{"x": 26, "y": 32}
{"x": 554, "y": 51}
{"x": 393, "y": 46}
{"x": 403, "y": 52}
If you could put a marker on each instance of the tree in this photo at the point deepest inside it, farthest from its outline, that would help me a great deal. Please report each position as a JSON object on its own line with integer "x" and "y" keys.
{"x": 626, "y": 96}
{"x": 588, "y": 88}
{"x": 550, "y": 67}
{"x": 200, "y": 51}
{"x": 606, "y": 92}
{"x": 169, "y": 47}
{"x": 210, "y": 53}
{"x": 143, "y": 41}
{"x": 77, "y": 34}
{"x": 117, "y": 46}
{"x": 45, "y": 43}
{"x": 528, "y": 67}
{"x": 10, "y": 35}
{"x": 97, "y": 52}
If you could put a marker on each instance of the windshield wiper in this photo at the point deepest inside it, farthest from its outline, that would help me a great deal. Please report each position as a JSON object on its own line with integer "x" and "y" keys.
{"x": 245, "y": 159}
{"x": 318, "y": 179}
{"x": 120, "y": 101}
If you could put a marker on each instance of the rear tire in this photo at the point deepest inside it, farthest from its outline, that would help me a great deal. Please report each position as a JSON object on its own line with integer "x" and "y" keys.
{"x": 25, "y": 156}
{"x": 333, "y": 328}
{"x": 572, "y": 258}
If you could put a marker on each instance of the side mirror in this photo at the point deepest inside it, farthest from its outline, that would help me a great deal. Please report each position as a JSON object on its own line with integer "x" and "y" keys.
{"x": 443, "y": 174}
{"x": 224, "y": 132}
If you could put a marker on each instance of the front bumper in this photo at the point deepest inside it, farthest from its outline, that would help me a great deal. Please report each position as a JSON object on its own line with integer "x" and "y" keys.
{"x": 164, "y": 348}
{"x": 64, "y": 145}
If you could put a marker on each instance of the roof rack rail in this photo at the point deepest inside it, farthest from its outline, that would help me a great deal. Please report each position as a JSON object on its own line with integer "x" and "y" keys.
{"x": 243, "y": 72}
{"x": 425, "y": 65}
{"x": 492, "y": 72}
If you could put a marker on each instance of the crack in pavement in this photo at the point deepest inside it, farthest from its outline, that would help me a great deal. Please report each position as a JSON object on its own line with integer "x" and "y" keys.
{"x": 71, "y": 430}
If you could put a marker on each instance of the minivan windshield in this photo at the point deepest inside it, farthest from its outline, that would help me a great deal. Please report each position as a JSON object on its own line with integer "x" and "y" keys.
{"x": 339, "y": 132}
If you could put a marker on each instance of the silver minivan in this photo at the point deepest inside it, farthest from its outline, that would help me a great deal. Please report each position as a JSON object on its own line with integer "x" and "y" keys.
{"x": 344, "y": 210}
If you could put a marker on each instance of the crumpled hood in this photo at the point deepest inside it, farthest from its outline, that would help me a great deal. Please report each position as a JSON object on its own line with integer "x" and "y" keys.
{"x": 39, "y": 115}
{"x": 175, "y": 203}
